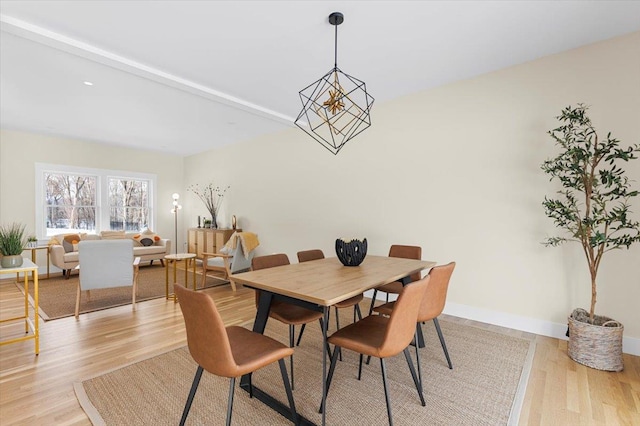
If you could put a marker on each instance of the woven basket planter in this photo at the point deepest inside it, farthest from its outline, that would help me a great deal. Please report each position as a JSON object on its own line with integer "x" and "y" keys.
{"x": 596, "y": 346}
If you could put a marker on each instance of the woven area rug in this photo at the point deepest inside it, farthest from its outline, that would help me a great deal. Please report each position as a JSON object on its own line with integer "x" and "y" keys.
{"x": 58, "y": 295}
{"x": 485, "y": 387}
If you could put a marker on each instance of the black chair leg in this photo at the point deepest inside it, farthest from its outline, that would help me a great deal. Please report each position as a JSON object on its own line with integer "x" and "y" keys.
{"x": 444, "y": 345}
{"x": 322, "y": 328}
{"x": 292, "y": 333}
{"x": 357, "y": 311}
{"x": 386, "y": 390}
{"x": 360, "y": 367}
{"x": 287, "y": 388}
{"x": 300, "y": 335}
{"x": 338, "y": 327}
{"x": 418, "y": 361}
{"x": 373, "y": 301}
{"x": 332, "y": 368}
{"x": 192, "y": 393}
{"x": 232, "y": 384}
{"x": 414, "y": 376}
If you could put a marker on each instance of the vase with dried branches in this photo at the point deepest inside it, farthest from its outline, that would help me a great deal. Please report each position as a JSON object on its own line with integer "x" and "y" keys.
{"x": 212, "y": 196}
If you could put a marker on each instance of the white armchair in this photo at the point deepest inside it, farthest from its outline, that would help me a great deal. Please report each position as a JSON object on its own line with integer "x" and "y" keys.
{"x": 107, "y": 264}
{"x": 229, "y": 263}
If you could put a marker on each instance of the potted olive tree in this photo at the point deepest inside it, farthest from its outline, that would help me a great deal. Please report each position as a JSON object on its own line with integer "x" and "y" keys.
{"x": 593, "y": 209}
{"x": 12, "y": 243}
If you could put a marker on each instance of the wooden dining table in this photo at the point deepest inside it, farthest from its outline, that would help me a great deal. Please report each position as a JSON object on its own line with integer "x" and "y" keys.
{"x": 318, "y": 285}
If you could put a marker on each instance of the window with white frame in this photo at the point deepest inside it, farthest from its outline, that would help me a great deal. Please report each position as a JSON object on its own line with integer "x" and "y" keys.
{"x": 70, "y": 201}
{"x": 128, "y": 204}
{"x": 76, "y": 199}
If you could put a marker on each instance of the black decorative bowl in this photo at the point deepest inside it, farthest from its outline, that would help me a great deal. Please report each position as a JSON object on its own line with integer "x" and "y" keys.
{"x": 351, "y": 252}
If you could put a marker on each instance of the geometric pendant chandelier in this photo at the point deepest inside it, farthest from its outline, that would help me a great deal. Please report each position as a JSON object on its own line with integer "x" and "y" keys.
{"x": 336, "y": 107}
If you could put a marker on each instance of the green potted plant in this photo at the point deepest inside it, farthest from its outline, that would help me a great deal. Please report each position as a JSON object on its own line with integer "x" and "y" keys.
{"x": 593, "y": 209}
{"x": 12, "y": 243}
{"x": 32, "y": 241}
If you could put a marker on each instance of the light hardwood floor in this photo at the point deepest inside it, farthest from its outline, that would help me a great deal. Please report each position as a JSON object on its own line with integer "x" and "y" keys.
{"x": 39, "y": 390}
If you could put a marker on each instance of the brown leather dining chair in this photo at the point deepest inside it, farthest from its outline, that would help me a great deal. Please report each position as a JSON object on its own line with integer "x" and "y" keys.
{"x": 406, "y": 252}
{"x": 432, "y": 305}
{"x": 384, "y": 337}
{"x": 286, "y": 313}
{"x": 228, "y": 352}
{"x": 316, "y": 254}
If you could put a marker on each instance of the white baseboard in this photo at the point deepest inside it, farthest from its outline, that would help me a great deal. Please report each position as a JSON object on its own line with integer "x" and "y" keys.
{"x": 630, "y": 345}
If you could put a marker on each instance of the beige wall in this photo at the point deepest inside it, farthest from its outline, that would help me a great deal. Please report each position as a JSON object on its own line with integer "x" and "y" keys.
{"x": 19, "y": 151}
{"x": 455, "y": 170}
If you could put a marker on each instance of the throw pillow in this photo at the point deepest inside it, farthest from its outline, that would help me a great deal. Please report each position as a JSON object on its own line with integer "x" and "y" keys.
{"x": 54, "y": 241}
{"x": 147, "y": 238}
{"x": 70, "y": 242}
{"x": 136, "y": 239}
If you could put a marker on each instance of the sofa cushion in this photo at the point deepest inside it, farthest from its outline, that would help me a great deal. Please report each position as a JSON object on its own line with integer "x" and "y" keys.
{"x": 217, "y": 261}
{"x": 71, "y": 257}
{"x": 70, "y": 242}
{"x": 89, "y": 237}
{"x": 143, "y": 251}
{"x": 112, "y": 235}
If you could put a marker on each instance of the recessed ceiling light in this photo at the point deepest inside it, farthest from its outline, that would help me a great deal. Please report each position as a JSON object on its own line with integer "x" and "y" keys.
{"x": 88, "y": 83}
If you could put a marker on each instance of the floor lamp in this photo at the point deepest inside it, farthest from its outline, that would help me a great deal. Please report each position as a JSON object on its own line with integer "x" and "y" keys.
{"x": 174, "y": 210}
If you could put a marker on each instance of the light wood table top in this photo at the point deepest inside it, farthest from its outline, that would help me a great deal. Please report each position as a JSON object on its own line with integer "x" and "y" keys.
{"x": 326, "y": 282}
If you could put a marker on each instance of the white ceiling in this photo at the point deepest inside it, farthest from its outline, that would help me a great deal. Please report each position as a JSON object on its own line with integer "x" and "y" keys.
{"x": 184, "y": 77}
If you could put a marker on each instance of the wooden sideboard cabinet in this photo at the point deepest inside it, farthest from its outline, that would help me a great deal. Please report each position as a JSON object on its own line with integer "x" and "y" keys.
{"x": 207, "y": 240}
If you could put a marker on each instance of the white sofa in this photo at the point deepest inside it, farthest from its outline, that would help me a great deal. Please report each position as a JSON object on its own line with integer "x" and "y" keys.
{"x": 69, "y": 260}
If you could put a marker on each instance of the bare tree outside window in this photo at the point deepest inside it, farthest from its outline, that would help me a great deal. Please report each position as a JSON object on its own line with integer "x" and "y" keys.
{"x": 70, "y": 202}
{"x": 128, "y": 204}
{"x": 87, "y": 200}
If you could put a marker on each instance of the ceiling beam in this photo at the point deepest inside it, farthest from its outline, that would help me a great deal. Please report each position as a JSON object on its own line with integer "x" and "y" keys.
{"x": 84, "y": 50}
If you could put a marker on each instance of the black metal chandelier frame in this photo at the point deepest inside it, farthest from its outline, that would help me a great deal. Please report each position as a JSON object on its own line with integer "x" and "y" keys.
{"x": 331, "y": 114}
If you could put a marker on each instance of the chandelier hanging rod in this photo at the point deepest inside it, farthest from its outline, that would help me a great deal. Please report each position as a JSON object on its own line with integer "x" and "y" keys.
{"x": 335, "y": 19}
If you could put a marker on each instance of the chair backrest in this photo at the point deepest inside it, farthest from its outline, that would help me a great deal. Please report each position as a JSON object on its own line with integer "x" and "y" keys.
{"x": 206, "y": 334}
{"x": 407, "y": 252}
{"x": 307, "y": 255}
{"x": 436, "y": 296}
{"x": 105, "y": 263}
{"x": 402, "y": 323}
{"x": 268, "y": 261}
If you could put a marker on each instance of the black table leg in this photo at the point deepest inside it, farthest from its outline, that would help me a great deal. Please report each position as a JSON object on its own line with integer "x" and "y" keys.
{"x": 264, "y": 304}
{"x": 325, "y": 322}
